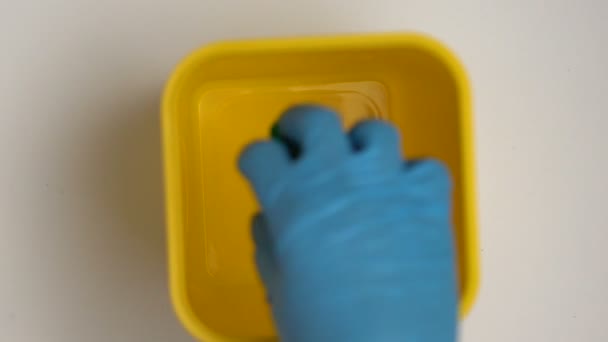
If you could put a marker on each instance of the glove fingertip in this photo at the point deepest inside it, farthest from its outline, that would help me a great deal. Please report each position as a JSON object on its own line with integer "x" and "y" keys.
{"x": 250, "y": 157}
{"x": 429, "y": 169}
{"x": 262, "y": 163}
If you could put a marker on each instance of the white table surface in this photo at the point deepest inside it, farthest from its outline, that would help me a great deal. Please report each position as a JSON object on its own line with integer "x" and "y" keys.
{"x": 82, "y": 241}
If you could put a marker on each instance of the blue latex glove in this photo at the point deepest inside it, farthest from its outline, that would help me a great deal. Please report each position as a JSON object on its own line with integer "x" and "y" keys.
{"x": 353, "y": 244}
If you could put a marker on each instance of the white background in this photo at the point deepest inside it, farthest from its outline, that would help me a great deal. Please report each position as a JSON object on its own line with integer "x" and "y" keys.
{"x": 81, "y": 223}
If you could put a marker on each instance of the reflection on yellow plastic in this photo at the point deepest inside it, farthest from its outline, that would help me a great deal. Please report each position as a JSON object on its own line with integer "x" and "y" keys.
{"x": 229, "y": 94}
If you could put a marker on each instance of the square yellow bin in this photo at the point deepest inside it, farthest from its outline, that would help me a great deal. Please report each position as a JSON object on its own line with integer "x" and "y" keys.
{"x": 228, "y": 94}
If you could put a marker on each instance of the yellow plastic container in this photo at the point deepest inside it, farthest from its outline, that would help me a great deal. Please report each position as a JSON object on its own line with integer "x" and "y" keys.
{"x": 228, "y": 94}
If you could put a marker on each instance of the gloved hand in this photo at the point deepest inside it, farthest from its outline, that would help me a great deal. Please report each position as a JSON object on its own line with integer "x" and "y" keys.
{"x": 353, "y": 244}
